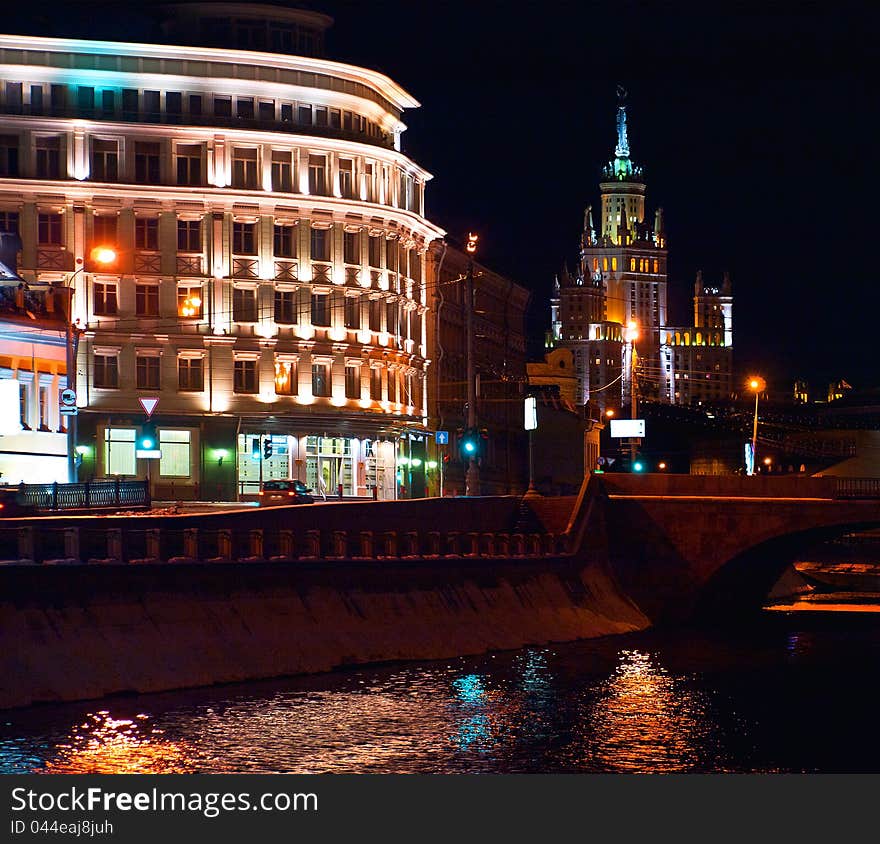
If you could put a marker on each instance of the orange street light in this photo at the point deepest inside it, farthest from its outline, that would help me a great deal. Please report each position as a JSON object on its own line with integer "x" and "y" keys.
{"x": 610, "y": 412}
{"x": 103, "y": 254}
{"x": 758, "y": 384}
{"x": 661, "y": 465}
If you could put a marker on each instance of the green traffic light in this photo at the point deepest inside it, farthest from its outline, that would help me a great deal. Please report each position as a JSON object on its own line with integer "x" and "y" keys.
{"x": 638, "y": 466}
{"x": 469, "y": 447}
{"x": 147, "y": 442}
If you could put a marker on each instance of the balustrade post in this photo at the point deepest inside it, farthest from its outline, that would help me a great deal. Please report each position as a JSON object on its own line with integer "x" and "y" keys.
{"x": 286, "y": 544}
{"x": 411, "y": 548}
{"x": 518, "y": 545}
{"x": 153, "y": 537}
{"x": 55, "y": 495}
{"x": 534, "y": 544}
{"x": 71, "y": 543}
{"x": 390, "y": 543}
{"x": 340, "y": 543}
{"x": 88, "y": 494}
{"x": 256, "y": 543}
{"x": 114, "y": 544}
{"x": 549, "y": 543}
{"x": 502, "y": 544}
{"x": 26, "y": 543}
{"x": 452, "y": 543}
{"x": 367, "y": 544}
{"x": 313, "y": 543}
{"x": 191, "y": 543}
{"x": 224, "y": 544}
{"x": 489, "y": 544}
{"x": 433, "y": 543}
{"x": 473, "y": 544}
{"x": 116, "y": 490}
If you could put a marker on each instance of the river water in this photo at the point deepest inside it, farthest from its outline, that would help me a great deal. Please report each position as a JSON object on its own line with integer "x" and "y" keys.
{"x": 787, "y": 692}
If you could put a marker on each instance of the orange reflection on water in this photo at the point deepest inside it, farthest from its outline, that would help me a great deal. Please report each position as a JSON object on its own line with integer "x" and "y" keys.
{"x": 105, "y": 745}
{"x": 646, "y": 720}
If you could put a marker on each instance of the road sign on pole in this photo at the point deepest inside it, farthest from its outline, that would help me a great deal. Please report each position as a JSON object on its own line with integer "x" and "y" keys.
{"x": 68, "y": 397}
{"x": 149, "y": 405}
{"x": 441, "y": 437}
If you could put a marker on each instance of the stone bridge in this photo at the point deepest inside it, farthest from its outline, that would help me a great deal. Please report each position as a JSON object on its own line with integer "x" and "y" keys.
{"x": 685, "y": 546}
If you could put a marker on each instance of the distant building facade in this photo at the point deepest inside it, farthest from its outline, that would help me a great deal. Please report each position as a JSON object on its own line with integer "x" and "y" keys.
{"x": 619, "y": 289}
{"x": 499, "y": 311}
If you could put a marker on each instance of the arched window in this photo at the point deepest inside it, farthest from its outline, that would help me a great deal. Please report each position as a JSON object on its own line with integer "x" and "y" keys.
{"x": 605, "y": 264}
{"x": 699, "y": 338}
{"x": 656, "y": 266}
{"x": 614, "y": 264}
{"x": 632, "y": 264}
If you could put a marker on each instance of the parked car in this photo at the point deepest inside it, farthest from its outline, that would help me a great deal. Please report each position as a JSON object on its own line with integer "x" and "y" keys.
{"x": 12, "y": 503}
{"x": 275, "y": 493}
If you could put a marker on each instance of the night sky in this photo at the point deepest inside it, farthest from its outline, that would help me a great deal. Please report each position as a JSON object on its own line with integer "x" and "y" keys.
{"x": 756, "y": 126}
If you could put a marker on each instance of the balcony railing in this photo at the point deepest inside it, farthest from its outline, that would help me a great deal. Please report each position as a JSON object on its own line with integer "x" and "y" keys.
{"x": 226, "y": 122}
{"x": 245, "y": 268}
{"x": 92, "y": 495}
{"x": 146, "y": 263}
{"x": 286, "y": 271}
{"x": 189, "y": 265}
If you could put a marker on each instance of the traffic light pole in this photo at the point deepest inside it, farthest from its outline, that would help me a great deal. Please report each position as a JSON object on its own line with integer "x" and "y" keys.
{"x": 472, "y": 474}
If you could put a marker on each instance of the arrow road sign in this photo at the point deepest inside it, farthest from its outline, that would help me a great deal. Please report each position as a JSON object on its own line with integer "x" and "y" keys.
{"x": 441, "y": 437}
{"x": 149, "y": 405}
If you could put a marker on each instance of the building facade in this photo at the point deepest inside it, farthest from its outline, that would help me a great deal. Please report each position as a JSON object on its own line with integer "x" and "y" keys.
{"x": 245, "y": 240}
{"x": 499, "y": 348}
{"x": 612, "y": 310}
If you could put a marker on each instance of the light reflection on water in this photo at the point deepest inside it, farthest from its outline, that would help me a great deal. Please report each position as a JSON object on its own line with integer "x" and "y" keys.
{"x": 680, "y": 702}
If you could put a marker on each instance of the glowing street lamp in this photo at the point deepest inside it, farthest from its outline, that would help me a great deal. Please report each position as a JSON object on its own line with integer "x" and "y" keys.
{"x": 757, "y": 384}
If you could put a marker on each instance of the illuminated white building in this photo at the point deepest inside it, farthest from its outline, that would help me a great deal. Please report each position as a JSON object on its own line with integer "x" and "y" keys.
{"x": 621, "y": 281}
{"x": 269, "y": 235}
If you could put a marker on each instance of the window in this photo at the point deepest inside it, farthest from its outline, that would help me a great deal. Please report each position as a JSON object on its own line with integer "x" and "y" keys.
{"x": 189, "y": 235}
{"x": 320, "y": 379}
{"x": 391, "y": 311}
{"x": 174, "y": 105}
{"x": 146, "y": 233}
{"x": 129, "y": 103}
{"x": 244, "y": 304}
{"x": 285, "y": 306}
{"x": 107, "y": 371}
{"x": 146, "y": 163}
{"x": 320, "y": 116}
{"x": 244, "y": 238}
{"x": 282, "y": 172}
{"x": 195, "y": 105}
{"x": 370, "y": 180}
{"x": 58, "y": 96}
{"x": 320, "y": 309}
{"x": 175, "y": 459}
{"x": 8, "y": 155}
{"x": 376, "y": 383}
{"x": 49, "y": 228}
{"x": 391, "y": 255}
{"x": 320, "y": 243}
{"x": 105, "y": 299}
{"x": 152, "y": 109}
{"x": 104, "y": 230}
{"x": 108, "y": 103}
{"x": 190, "y": 374}
{"x": 36, "y": 99}
{"x": 415, "y": 265}
{"x": 351, "y": 246}
{"x": 352, "y": 312}
{"x": 146, "y": 300}
{"x": 147, "y": 372}
{"x": 286, "y": 112}
{"x": 375, "y": 250}
{"x": 346, "y": 179}
{"x": 352, "y": 382}
{"x": 317, "y": 175}
{"x": 245, "y": 376}
{"x": 244, "y": 168}
{"x": 245, "y": 108}
{"x": 9, "y": 222}
{"x": 285, "y": 378}
{"x": 222, "y": 106}
{"x": 24, "y": 405}
{"x": 48, "y": 158}
{"x": 86, "y": 99}
{"x": 335, "y": 118}
{"x": 285, "y": 241}
{"x": 105, "y": 161}
{"x": 375, "y": 315}
{"x": 304, "y": 115}
{"x": 119, "y": 451}
{"x": 392, "y": 385}
{"x": 189, "y": 301}
{"x": 189, "y": 164}
{"x": 267, "y": 111}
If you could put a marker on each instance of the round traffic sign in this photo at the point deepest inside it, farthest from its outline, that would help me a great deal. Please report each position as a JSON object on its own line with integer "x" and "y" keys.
{"x": 68, "y": 397}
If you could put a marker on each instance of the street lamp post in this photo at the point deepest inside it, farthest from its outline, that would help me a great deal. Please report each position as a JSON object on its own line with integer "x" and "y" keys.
{"x": 472, "y": 472}
{"x": 104, "y": 255}
{"x": 757, "y": 384}
{"x": 632, "y": 334}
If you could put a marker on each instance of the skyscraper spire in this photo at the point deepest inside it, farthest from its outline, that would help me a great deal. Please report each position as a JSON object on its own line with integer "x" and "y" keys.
{"x": 622, "y": 149}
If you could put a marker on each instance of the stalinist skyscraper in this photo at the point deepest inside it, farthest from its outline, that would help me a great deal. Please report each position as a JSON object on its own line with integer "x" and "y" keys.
{"x": 618, "y": 292}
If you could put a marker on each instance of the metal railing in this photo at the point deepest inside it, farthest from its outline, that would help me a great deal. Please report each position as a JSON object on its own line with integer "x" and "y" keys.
{"x": 86, "y": 496}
